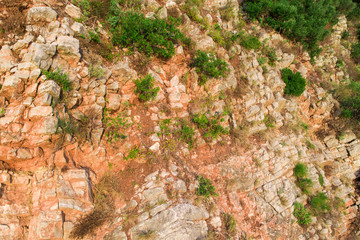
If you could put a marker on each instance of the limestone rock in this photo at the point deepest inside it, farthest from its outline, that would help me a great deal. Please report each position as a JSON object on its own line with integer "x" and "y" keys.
{"x": 12, "y": 87}
{"x": 6, "y": 59}
{"x": 41, "y": 14}
{"x": 183, "y": 221}
{"x": 42, "y": 54}
{"x": 50, "y": 87}
{"x": 68, "y": 47}
{"x": 73, "y": 11}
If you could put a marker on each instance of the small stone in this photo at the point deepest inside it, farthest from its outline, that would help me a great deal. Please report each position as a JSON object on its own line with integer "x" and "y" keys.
{"x": 50, "y": 87}
{"x": 73, "y": 11}
{"x": 41, "y": 14}
{"x": 180, "y": 186}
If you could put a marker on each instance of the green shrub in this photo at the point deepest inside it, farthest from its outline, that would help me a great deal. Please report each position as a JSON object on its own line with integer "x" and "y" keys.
{"x": 94, "y": 37}
{"x": 302, "y": 21}
{"x": 302, "y": 214}
{"x": 187, "y": 134}
{"x": 345, "y": 35}
{"x": 227, "y": 12}
{"x": 224, "y": 38}
{"x": 300, "y": 172}
{"x": 320, "y": 203}
{"x": 321, "y": 179}
{"x": 355, "y": 52}
{"x": 230, "y": 224}
{"x": 96, "y": 71}
{"x": 250, "y": 42}
{"x": 145, "y": 88}
{"x": 295, "y": 83}
{"x": 211, "y": 127}
{"x": 191, "y": 8}
{"x": 205, "y": 188}
{"x": 147, "y": 35}
{"x": 339, "y": 63}
{"x": 261, "y": 60}
{"x": 133, "y": 153}
{"x": 349, "y": 98}
{"x": 207, "y": 65}
{"x": 60, "y": 78}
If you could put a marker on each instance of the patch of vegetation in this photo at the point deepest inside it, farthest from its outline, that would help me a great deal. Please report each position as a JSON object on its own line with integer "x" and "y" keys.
{"x": 96, "y": 71}
{"x": 339, "y": 63}
{"x": 113, "y": 126}
{"x": 60, "y": 78}
{"x": 250, "y": 42}
{"x": 105, "y": 193}
{"x": 227, "y": 12}
{"x": 145, "y": 88}
{"x": 302, "y": 214}
{"x": 211, "y": 127}
{"x": 300, "y": 172}
{"x": 150, "y": 36}
{"x": 208, "y": 66}
{"x": 309, "y": 144}
{"x": 205, "y": 188}
{"x": 133, "y": 153}
{"x": 320, "y": 203}
{"x": 269, "y": 121}
{"x": 187, "y": 134}
{"x": 302, "y": 21}
{"x": 261, "y": 60}
{"x": 295, "y": 83}
{"x": 224, "y": 38}
{"x": 230, "y": 224}
{"x": 148, "y": 234}
{"x": 339, "y": 204}
{"x": 191, "y": 8}
{"x": 94, "y": 37}
{"x": 321, "y": 180}
{"x": 355, "y": 52}
{"x": 345, "y": 35}
{"x": 349, "y": 98}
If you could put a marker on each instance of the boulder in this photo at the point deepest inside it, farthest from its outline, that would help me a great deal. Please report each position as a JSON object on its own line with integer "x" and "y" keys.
{"x": 42, "y": 54}
{"x": 12, "y": 87}
{"x": 41, "y": 14}
{"x": 68, "y": 47}
{"x": 6, "y": 59}
{"x": 50, "y": 87}
{"x": 73, "y": 11}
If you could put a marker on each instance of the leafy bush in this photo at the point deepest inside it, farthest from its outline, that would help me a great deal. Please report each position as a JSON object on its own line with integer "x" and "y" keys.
{"x": 300, "y": 172}
{"x": 295, "y": 83}
{"x": 205, "y": 188}
{"x": 145, "y": 88}
{"x": 211, "y": 127}
{"x": 150, "y": 36}
{"x": 133, "y": 153}
{"x": 250, "y": 42}
{"x": 230, "y": 224}
{"x": 349, "y": 98}
{"x": 96, "y": 71}
{"x": 320, "y": 203}
{"x": 302, "y": 21}
{"x": 355, "y": 52}
{"x": 187, "y": 134}
{"x": 94, "y": 37}
{"x": 191, "y": 8}
{"x": 302, "y": 214}
{"x": 60, "y": 78}
{"x": 207, "y": 65}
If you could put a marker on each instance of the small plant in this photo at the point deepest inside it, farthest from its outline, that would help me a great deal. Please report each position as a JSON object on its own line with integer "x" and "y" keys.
{"x": 207, "y": 65}
{"x": 295, "y": 83}
{"x": 339, "y": 63}
{"x": 339, "y": 204}
{"x": 113, "y": 125}
{"x": 230, "y": 224}
{"x": 309, "y": 144}
{"x": 269, "y": 121}
{"x": 60, "y": 78}
{"x": 211, "y": 127}
{"x": 321, "y": 180}
{"x": 320, "y": 203}
{"x": 227, "y": 12}
{"x": 205, "y": 188}
{"x": 165, "y": 127}
{"x": 300, "y": 172}
{"x": 133, "y": 153}
{"x": 94, "y": 37}
{"x": 345, "y": 35}
{"x": 96, "y": 71}
{"x": 145, "y": 88}
{"x": 302, "y": 214}
{"x": 261, "y": 60}
{"x": 148, "y": 234}
{"x": 151, "y": 36}
{"x": 187, "y": 134}
{"x": 250, "y": 42}
{"x": 355, "y": 52}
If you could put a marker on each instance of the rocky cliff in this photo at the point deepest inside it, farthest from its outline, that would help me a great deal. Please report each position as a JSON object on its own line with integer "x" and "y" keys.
{"x": 92, "y": 161}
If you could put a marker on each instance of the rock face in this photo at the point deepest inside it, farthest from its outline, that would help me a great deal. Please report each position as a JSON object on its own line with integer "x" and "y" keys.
{"x": 65, "y": 153}
{"x": 41, "y": 14}
{"x": 183, "y": 221}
